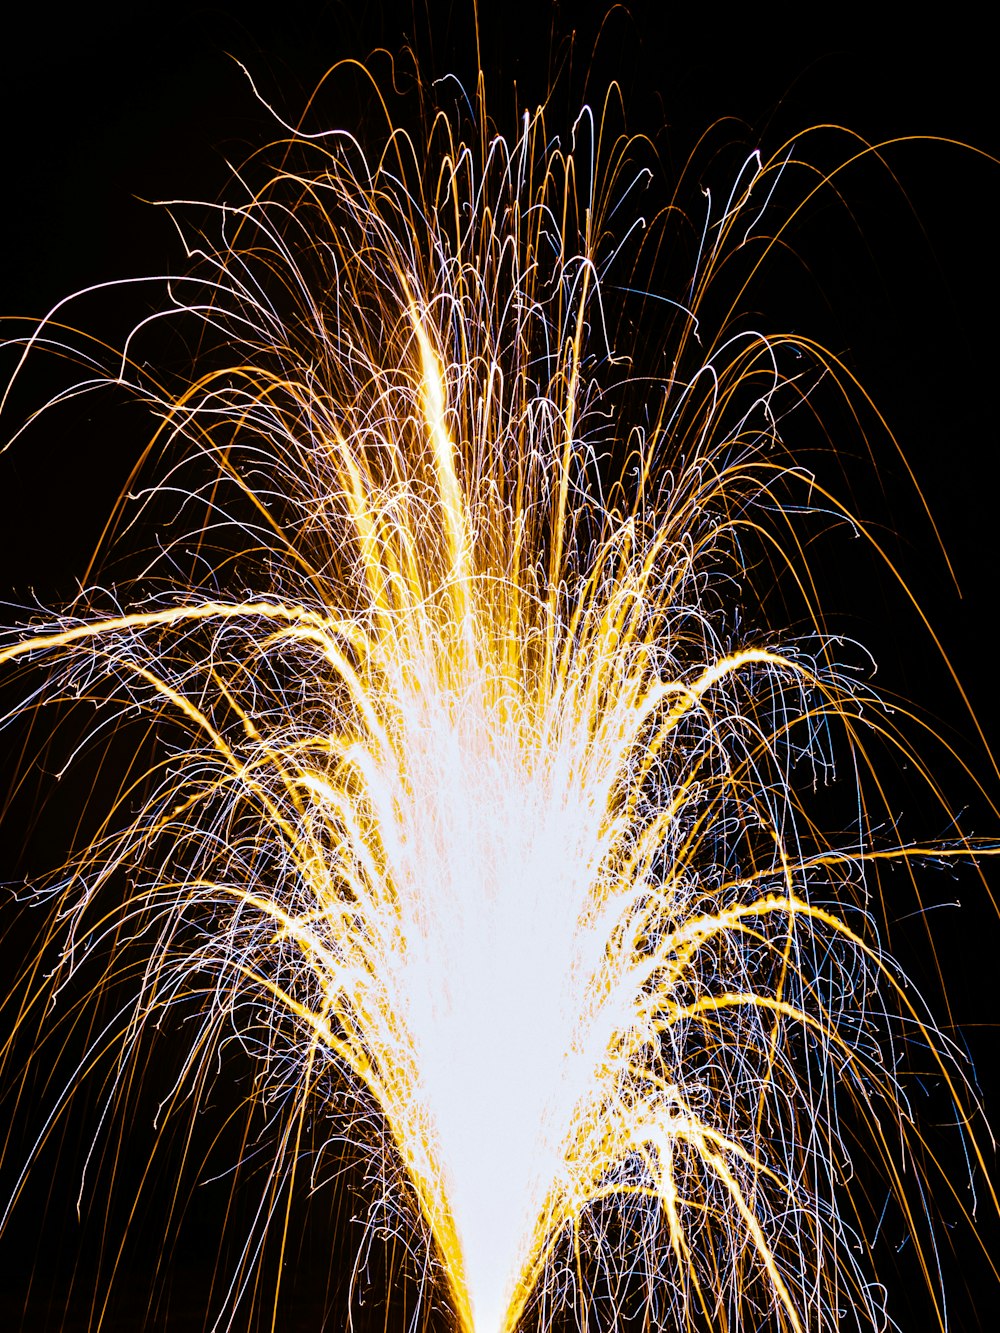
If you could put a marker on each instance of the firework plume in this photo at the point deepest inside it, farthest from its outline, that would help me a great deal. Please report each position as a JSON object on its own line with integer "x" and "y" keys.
{"x": 485, "y": 820}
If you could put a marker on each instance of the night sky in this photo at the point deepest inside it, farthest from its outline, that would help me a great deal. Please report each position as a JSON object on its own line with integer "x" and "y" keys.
{"x": 103, "y": 111}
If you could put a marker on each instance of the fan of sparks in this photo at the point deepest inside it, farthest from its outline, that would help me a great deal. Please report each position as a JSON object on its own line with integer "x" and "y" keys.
{"x": 486, "y": 810}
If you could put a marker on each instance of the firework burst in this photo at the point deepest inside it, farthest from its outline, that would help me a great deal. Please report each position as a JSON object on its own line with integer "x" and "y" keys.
{"x": 484, "y": 817}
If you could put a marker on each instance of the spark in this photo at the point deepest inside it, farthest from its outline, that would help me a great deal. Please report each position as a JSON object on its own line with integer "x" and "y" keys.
{"x": 485, "y": 813}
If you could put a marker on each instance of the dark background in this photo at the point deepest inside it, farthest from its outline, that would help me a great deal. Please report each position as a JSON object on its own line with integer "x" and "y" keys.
{"x": 104, "y": 109}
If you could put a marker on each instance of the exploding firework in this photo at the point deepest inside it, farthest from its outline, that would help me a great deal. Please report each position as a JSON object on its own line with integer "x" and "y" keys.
{"x": 484, "y": 822}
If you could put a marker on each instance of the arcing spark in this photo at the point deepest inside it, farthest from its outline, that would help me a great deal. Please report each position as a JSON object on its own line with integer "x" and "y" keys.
{"x": 481, "y": 807}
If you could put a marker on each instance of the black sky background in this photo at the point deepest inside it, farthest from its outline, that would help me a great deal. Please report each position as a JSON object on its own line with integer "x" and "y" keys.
{"x": 104, "y": 109}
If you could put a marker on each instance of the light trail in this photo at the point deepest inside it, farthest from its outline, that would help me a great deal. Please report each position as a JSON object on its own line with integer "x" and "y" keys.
{"x": 484, "y": 803}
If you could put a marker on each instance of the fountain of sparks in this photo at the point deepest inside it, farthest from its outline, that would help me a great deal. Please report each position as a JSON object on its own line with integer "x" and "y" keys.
{"x": 483, "y": 807}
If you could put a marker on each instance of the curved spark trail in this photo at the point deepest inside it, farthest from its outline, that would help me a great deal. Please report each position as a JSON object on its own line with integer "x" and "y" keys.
{"x": 485, "y": 803}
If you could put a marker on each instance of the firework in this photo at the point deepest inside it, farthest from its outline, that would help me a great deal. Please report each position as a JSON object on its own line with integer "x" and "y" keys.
{"x": 484, "y": 817}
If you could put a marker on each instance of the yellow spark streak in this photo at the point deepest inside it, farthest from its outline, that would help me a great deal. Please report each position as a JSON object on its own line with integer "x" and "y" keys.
{"x": 481, "y": 812}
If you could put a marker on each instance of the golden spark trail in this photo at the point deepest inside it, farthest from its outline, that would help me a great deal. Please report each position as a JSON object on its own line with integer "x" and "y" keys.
{"x": 483, "y": 806}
